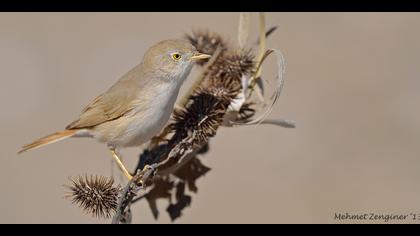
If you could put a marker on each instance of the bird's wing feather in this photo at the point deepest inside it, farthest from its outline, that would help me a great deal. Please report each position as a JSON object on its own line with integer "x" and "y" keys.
{"x": 112, "y": 104}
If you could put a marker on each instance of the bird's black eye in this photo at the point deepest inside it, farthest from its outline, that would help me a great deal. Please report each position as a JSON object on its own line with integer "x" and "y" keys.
{"x": 176, "y": 56}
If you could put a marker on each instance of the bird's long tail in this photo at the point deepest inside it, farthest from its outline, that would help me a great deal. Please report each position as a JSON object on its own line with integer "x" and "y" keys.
{"x": 52, "y": 138}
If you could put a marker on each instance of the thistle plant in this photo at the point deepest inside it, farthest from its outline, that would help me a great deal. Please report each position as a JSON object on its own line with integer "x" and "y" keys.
{"x": 95, "y": 195}
{"x": 224, "y": 95}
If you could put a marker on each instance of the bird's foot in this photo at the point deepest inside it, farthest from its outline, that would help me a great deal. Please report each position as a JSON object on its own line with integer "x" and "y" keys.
{"x": 141, "y": 182}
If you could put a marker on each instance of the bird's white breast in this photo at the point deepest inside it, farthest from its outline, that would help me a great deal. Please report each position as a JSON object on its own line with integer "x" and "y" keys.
{"x": 150, "y": 116}
{"x": 150, "y": 112}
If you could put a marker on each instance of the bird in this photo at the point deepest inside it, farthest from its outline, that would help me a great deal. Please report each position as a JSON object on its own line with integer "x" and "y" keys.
{"x": 138, "y": 105}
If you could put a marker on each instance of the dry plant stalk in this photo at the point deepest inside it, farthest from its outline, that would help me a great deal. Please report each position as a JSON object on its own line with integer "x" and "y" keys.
{"x": 218, "y": 98}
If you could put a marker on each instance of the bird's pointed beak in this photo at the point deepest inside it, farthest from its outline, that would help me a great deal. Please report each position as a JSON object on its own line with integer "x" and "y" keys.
{"x": 200, "y": 56}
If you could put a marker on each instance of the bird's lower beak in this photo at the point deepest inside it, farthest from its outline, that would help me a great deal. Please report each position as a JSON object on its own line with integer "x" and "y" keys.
{"x": 200, "y": 56}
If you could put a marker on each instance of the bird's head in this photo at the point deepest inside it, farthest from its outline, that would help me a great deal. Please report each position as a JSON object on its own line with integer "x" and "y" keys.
{"x": 172, "y": 59}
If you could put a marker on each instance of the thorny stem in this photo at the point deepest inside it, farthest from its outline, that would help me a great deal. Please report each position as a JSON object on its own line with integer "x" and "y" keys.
{"x": 124, "y": 200}
{"x": 183, "y": 160}
{"x": 140, "y": 179}
{"x": 130, "y": 191}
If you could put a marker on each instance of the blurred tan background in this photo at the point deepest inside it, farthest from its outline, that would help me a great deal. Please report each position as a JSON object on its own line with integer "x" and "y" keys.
{"x": 352, "y": 86}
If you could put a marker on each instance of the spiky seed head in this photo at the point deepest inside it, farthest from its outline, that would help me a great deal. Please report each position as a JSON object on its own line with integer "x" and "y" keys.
{"x": 96, "y": 195}
{"x": 225, "y": 89}
{"x": 206, "y": 42}
{"x": 234, "y": 64}
{"x": 207, "y": 105}
{"x": 203, "y": 115}
{"x": 224, "y": 78}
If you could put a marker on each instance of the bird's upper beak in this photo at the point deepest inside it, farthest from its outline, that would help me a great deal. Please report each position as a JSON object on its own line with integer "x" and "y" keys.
{"x": 199, "y": 56}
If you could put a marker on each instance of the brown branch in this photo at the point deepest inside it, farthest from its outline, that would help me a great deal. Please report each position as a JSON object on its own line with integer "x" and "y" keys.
{"x": 138, "y": 182}
{"x": 130, "y": 191}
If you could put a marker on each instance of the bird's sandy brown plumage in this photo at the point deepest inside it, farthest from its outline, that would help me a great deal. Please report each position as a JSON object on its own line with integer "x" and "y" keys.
{"x": 138, "y": 105}
{"x": 55, "y": 137}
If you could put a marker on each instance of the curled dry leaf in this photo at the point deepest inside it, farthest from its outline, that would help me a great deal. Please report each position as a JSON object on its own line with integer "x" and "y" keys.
{"x": 278, "y": 88}
{"x": 243, "y": 28}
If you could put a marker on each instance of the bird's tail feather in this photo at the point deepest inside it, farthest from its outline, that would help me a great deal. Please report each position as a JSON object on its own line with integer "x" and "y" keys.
{"x": 52, "y": 138}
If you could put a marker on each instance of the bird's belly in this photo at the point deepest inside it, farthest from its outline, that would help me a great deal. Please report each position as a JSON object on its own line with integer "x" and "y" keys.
{"x": 142, "y": 129}
{"x": 132, "y": 130}
{"x": 138, "y": 126}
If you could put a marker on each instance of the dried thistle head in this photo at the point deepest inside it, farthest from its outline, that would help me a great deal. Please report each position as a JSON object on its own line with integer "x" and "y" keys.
{"x": 206, "y": 42}
{"x": 233, "y": 64}
{"x": 96, "y": 195}
{"x": 202, "y": 115}
{"x": 207, "y": 105}
{"x": 224, "y": 78}
{"x": 225, "y": 89}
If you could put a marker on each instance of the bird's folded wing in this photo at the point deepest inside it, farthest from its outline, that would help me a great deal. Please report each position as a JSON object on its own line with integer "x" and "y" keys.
{"x": 111, "y": 105}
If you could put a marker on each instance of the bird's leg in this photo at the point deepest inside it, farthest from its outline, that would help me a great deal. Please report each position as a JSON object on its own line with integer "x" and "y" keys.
{"x": 120, "y": 164}
{"x": 119, "y": 174}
